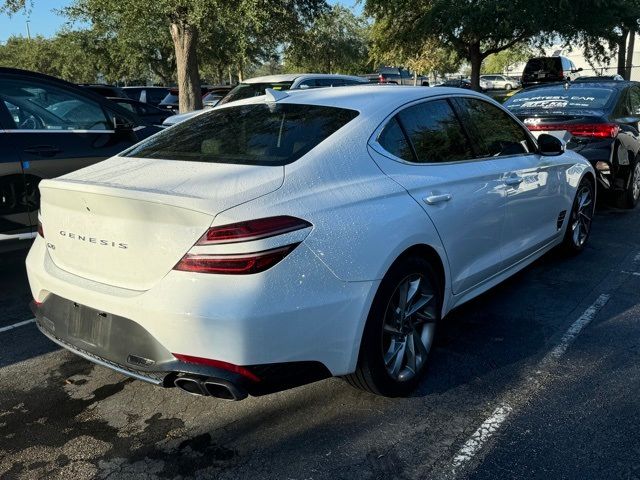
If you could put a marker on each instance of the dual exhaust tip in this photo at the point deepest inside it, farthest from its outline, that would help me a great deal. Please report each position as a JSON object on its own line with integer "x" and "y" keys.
{"x": 210, "y": 387}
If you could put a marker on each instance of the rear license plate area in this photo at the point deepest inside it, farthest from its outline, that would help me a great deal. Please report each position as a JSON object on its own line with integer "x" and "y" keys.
{"x": 89, "y": 326}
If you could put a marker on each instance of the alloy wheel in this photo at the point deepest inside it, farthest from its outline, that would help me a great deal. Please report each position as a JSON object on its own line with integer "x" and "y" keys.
{"x": 582, "y": 215}
{"x": 409, "y": 327}
{"x": 636, "y": 181}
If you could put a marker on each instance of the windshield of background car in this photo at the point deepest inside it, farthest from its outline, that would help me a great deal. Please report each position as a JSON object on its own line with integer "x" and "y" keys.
{"x": 170, "y": 98}
{"x": 248, "y": 90}
{"x": 548, "y": 64}
{"x": 560, "y": 99}
{"x": 256, "y": 134}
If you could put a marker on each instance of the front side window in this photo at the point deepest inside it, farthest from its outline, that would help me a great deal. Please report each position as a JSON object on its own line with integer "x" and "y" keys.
{"x": 39, "y": 106}
{"x": 496, "y": 133}
{"x": 435, "y": 132}
{"x": 255, "y": 134}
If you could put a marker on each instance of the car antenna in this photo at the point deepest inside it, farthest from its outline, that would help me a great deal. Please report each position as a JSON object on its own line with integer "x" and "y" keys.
{"x": 274, "y": 95}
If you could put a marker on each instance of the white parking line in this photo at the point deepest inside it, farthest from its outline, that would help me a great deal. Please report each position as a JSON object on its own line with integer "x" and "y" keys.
{"x": 491, "y": 425}
{"x": 575, "y": 329}
{"x": 16, "y": 325}
{"x": 481, "y": 435}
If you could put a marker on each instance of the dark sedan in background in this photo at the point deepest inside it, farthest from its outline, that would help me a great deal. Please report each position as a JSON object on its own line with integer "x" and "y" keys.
{"x": 146, "y": 112}
{"x": 149, "y": 95}
{"x": 49, "y": 127}
{"x": 599, "y": 120}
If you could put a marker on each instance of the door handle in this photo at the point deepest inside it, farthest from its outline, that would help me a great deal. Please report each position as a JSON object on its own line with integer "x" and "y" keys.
{"x": 513, "y": 180}
{"x": 43, "y": 150}
{"x": 434, "y": 199}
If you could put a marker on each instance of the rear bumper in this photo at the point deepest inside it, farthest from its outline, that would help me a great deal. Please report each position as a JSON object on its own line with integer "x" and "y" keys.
{"x": 125, "y": 347}
{"x": 292, "y": 324}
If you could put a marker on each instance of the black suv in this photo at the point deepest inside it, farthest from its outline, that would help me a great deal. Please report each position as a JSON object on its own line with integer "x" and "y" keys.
{"x": 599, "y": 120}
{"x": 549, "y": 70}
{"x": 49, "y": 127}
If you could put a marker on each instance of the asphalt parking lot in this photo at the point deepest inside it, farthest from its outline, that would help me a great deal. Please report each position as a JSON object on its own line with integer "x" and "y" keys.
{"x": 539, "y": 378}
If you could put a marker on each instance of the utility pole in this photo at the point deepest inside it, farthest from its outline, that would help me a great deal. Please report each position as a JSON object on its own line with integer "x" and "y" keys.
{"x": 28, "y": 30}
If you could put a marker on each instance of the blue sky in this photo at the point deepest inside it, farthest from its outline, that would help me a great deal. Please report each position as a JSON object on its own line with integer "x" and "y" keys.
{"x": 44, "y": 21}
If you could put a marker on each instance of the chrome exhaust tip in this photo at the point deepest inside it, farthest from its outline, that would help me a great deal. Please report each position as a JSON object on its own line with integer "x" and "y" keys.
{"x": 210, "y": 387}
{"x": 190, "y": 385}
{"x": 223, "y": 390}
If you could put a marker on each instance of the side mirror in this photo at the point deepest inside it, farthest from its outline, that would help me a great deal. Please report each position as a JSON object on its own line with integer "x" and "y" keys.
{"x": 577, "y": 70}
{"x": 121, "y": 124}
{"x": 549, "y": 145}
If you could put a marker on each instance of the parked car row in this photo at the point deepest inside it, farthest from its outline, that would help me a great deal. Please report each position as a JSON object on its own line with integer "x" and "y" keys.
{"x": 302, "y": 232}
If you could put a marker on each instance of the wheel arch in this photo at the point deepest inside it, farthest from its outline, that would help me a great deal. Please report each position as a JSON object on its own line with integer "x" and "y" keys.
{"x": 429, "y": 253}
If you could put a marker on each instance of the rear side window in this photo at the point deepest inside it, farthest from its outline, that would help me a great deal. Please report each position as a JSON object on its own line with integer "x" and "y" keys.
{"x": 394, "y": 141}
{"x": 256, "y": 134}
{"x": 435, "y": 132}
{"x": 496, "y": 133}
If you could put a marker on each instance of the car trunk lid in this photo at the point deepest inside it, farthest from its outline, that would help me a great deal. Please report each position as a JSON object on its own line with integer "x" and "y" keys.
{"x": 127, "y": 222}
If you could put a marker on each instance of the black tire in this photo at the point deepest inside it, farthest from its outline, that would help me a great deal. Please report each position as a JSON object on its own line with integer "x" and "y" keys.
{"x": 629, "y": 197}
{"x": 575, "y": 242}
{"x": 371, "y": 373}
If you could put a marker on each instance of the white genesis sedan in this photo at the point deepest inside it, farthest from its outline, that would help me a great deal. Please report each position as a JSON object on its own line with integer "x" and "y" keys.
{"x": 290, "y": 237}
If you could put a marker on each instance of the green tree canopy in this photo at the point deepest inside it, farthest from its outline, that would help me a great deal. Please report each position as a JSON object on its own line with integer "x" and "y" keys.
{"x": 474, "y": 29}
{"x": 336, "y": 42}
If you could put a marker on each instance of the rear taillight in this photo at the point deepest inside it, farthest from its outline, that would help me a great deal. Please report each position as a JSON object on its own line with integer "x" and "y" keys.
{"x": 242, "y": 263}
{"x": 40, "y": 229}
{"x": 234, "y": 264}
{"x": 381, "y": 79}
{"x": 252, "y": 230}
{"x": 593, "y": 130}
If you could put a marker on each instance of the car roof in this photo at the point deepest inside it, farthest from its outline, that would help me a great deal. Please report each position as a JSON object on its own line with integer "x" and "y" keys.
{"x": 366, "y": 99}
{"x": 145, "y": 86}
{"x": 290, "y": 77}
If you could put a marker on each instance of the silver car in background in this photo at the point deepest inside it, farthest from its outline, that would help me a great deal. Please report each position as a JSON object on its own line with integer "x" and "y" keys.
{"x": 497, "y": 82}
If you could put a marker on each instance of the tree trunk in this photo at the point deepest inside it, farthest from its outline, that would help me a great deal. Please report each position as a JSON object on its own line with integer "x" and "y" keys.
{"x": 630, "y": 48}
{"x": 185, "y": 40}
{"x": 475, "y": 59}
{"x": 622, "y": 50}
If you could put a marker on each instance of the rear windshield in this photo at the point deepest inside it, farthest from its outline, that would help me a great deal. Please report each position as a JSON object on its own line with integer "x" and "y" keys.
{"x": 560, "y": 99}
{"x": 248, "y": 90}
{"x": 547, "y": 64}
{"x": 256, "y": 134}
